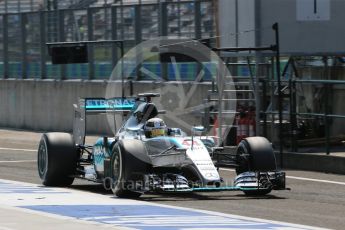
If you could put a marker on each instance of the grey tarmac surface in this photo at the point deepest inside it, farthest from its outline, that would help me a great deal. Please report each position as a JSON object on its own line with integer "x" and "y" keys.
{"x": 315, "y": 203}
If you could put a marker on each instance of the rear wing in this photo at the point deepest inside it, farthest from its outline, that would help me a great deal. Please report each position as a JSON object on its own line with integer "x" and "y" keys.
{"x": 102, "y": 105}
{"x": 94, "y": 106}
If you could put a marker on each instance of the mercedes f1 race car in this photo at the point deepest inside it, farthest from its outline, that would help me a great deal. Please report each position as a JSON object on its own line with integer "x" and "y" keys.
{"x": 131, "y": 163}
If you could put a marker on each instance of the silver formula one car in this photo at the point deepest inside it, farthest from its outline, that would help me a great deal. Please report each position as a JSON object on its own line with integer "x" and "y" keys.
{"x": 131, "y": 164}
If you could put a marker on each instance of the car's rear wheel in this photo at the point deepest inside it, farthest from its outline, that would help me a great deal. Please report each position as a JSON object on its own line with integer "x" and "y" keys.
{"x": 127, "y": 169}
{"x": 57, "y": 159}
{"x": 255, "y": 154}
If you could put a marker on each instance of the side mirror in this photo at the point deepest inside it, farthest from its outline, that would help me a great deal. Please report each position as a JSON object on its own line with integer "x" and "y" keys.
{"x": 133, "y": 129}
{"x": 198, "y": 130}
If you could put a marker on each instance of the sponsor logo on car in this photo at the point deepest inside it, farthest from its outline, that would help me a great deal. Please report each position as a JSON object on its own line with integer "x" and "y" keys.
{"x": 113, "y": 103}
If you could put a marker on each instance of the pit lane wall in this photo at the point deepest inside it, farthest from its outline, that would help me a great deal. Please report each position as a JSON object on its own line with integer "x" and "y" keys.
{"x": 47, "y": 105}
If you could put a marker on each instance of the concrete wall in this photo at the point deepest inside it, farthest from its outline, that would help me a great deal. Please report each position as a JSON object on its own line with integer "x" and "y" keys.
{"x": 235, "y": 17}
{"x": 306, "y": 26}
{"x": 43, "y": 105}
{"x": 46, "y": 105}
{"x": 227, "y": 25}
{"x": 320, "y": 33}
{"x": 313, "y": 162}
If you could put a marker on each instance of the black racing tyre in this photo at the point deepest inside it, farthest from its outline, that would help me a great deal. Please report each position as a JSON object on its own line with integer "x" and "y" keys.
{"x": 129, "y": 163}
{"x": 255, "y": 154}
{"x": 57, "y": 159}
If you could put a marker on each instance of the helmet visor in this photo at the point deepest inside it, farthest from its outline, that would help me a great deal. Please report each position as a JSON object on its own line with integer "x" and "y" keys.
{"x": 157, "y": 132}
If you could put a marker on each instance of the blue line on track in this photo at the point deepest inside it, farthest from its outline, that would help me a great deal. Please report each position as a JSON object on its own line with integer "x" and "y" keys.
{"x": 149, "y": 217}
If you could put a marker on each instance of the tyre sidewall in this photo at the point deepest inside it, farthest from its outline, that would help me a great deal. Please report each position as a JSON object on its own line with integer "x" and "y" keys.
{"x": 243, "y": 158}
{"x": 43, "y": 153}
{"x": 117, "y": 184}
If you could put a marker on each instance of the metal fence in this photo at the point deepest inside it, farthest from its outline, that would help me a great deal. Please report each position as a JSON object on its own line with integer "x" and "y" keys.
{"x": 23, "y": 36}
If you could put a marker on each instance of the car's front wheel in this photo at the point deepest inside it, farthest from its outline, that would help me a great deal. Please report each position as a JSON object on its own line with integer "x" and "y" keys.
{"x": 127, "y": 169}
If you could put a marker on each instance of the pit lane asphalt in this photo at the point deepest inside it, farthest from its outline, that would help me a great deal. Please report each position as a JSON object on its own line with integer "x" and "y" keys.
{"x": 314, "y": 203}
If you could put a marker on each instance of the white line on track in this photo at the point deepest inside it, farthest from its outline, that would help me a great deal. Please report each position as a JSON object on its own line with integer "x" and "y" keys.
{"x": 21, "y": 161}
{"x": 25, "y": 150}
{"x": 5, "y": 228}
{"x": 300, "y": 178}
{"x": 316, "y": 180}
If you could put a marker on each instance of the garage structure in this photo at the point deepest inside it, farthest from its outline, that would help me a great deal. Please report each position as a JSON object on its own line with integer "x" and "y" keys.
{"x": 312, "y": 49}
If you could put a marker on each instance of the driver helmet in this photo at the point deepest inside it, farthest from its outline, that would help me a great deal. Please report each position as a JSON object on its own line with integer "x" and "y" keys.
{"x": 155, "y": 127}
